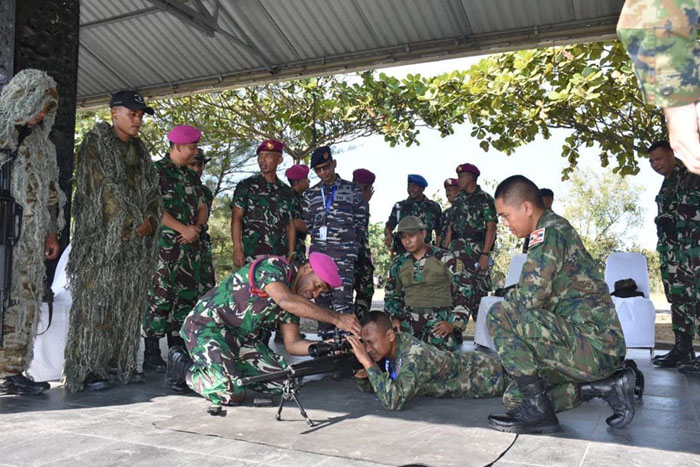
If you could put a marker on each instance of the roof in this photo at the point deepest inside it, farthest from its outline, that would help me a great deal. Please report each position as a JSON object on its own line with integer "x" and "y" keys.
{"x": 170, "y": 47}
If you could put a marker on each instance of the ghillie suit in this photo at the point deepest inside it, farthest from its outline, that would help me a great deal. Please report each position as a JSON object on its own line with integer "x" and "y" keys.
{"x": 110, "y": 267}
{"x": 34, "y": 186}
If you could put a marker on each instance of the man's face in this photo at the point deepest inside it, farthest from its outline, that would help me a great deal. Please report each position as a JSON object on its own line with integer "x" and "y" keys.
{"x": 451, "y": 192}
{"x": 326, "y": 172}
{"x": 415, "y": 191}
{"x": 377, "y": 342}
{"x": 268, "y": 161}
{"x": 463, "y": 180}
{"x": 197, "y": 166}
{"x": 366, "y": 189}
{"x": 309, "y": 285}
{"x": 183, "y": 154}
{"x": 548, "y": 201}
{"x": 413, "y": 241}
{"x": 515, "y": 218}
{"x": 302, "y": 185}
{"x": 126, "y": 120}
{"x": 41, "y": 115}
{"x": 661, "y": 160}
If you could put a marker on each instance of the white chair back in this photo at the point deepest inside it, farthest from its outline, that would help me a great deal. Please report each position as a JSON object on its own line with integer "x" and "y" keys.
{"x": 624, "y": 265}
{"x": 60, "y": 280}
{"x": 515, "y": 268}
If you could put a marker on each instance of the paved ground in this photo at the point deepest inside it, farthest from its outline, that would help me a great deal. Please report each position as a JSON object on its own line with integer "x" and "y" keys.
{"x": 145, "y": 424}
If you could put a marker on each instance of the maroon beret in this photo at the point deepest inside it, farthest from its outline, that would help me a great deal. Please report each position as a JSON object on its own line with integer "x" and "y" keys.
{"x": 297, "y": 172}
{"x": 270, "y": 145}
{"x": 363, "y": 176}
{"x": 451, "y": 182}
{"x": 184, "y": 134}
{"x": 468, "y": 168}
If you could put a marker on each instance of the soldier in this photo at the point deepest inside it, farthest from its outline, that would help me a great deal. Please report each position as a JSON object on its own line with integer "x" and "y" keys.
{"x": 336, "y": 218}
{"x": 398, "y": 367}
{"x": 298, "y": 178}
{"x": 207, "y": 278}
{"x": 472, "y": 232}
{"x": 427, "y": 290}
{"x": 417, "y": 204}
{"x": 678, "y": 228}
{"x": 222, "y": 333}
{"x": 364, "y": 268}
{"x": 451, "y": 190}
{"x": 262, "y": 221}
{"x": 176, "y": 281}
{"x": 557, "y": 331}
{"x": 27, "y": 111}
{"x": 661, "y": 38}
{"x": 117, "y": 207}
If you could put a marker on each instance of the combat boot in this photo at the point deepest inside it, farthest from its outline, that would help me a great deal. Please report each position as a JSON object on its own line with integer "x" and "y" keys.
{"x": 151, "y": 355}
{"x": 174, "y": 340}
{"x": 618, "y": 391}
{"x": 179, "y": 363}
{"x": 22, "y": 386}
{"x": 534, "y": 415}
{"x": 638, "y": 377}
{"x": 681, "y": 353}
{"x": 691, "y": 368}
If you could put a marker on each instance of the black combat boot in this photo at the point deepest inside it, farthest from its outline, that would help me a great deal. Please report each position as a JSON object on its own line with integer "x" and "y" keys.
{"x": 22, "y": 386}
{"x": 179, "y": 363}
{"x": 638, "y": 377}
{"x": 618, "y": 391}
{"x": 691, "y": 368}
{"x": 151, "y": 355}
{"x": 174, "y": 340}
{"x": 681, "y": 353}
{"x": 534, "y": 415}
{"x": 94, "y": 382}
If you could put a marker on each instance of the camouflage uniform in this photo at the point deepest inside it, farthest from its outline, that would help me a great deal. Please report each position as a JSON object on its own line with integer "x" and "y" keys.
{"x": 444, "y": 223}
{"x": 421, "y": 293}
{"x": 345, "y": 221}
{"x": 678, "y": 222}
{"x": 364, "y": 275}
{"x": 426, "y": 210}
{"x": 423, "y": 370}
{"x": 661, "y": 38}
{"x": 468, "y": 217}
{"x": 222, "y": 333}
{"x": 207, "y": 278}
{"x": 267, "y": 210}
{"x": 559, "y": 322}
{"x": 300, "y": 250}
{"x": 178, "y": 274}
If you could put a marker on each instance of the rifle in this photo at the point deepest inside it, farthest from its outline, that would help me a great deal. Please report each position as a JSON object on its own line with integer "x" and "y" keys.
{"x": 328, "y": 357}
{"x": 10, "y": 227}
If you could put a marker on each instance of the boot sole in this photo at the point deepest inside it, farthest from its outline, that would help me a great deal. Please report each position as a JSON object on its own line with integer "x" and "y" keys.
{"x": 525, "y": 430}
{"x": 16, "y": 392}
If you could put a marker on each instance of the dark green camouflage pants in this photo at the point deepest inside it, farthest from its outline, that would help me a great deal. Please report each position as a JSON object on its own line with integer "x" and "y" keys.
{"x": 220, "y": 357}
{"x": 422, "y": 326}
{"x": 680, "y": 274}
{"x": 536, "y": 342}
{"x": 480, "y": 279}
{"x": 208, "y": 277}
{"x": 364, "y": 281}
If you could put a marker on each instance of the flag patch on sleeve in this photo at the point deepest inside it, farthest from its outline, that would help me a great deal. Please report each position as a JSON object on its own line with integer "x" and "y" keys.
{"x": 536, "y": 237}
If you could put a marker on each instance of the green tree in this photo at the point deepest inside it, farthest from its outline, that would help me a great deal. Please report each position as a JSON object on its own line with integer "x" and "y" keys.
{"x": 380, "y": 253}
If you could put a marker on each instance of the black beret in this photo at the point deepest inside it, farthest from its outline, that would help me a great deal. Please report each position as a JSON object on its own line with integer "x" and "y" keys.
{"x": 320, "y": 156}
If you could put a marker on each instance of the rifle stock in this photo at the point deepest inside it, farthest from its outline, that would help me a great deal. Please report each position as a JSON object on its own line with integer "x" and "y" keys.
{"x": 316, "y": 366}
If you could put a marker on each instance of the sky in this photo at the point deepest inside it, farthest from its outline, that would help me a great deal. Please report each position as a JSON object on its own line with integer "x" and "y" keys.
{"x": 436, "y": 159}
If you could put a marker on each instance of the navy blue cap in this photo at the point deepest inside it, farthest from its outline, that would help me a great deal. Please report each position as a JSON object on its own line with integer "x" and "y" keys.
{"x": 131, "y": 100}
{"x": 320, "y": 156}
{"x": 418, "y": 180}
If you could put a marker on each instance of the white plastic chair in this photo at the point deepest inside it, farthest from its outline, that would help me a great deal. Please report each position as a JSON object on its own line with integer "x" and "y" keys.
{"x": 481, "y": 333}
{"x": 636, "y": 314}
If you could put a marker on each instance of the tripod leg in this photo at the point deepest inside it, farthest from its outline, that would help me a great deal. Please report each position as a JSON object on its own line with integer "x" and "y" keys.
{"x": 302, "y": 411}
{"x": 278, "y": 417}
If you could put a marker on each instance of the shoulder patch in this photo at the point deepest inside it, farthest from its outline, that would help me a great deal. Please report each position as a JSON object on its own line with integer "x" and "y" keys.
{"x": 536, "y": 237}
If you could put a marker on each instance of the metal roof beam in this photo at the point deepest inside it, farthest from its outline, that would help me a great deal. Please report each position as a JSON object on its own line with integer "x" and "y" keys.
{"x": 118, "y": 18}
{"x": 199, "y": 18}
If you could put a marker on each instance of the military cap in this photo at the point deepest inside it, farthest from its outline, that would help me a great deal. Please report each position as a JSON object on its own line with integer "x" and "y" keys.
{"x": 418, "y": 180}
{"x": 363, "y": 176}
{"x": 131, "y": 100}
{"x": 270, "y": 145}
{"x": 184, "y": 134}
{"x": 320, "y": 156}
{"x": 325, "y": 268}
{"x": 297, "y": 172}
{"x": 410, "y": 224}
{"x": 451, "y": 182}
{"x": 468, "y": 168}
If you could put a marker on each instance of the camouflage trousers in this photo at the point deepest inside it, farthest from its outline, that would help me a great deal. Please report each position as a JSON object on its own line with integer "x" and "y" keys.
{"x": 208, "y": 278}
{"x": 220, "y": 357}
{"x": 479, "y": 376}
{"x": 340, "y": 299}
{"x": 364, "y": 281}
{"x": 175, "y": 289}
{"x": 536, "y": 342}
{"x": 479, "y": 279}
{"x": 421, "y": 324}
{"x": 680, "y": 274}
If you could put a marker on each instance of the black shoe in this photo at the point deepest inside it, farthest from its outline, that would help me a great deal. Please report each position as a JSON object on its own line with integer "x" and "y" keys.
{"x": 618, "y": 391}
{"x": 681, "y": 353}
{"x": 94, "y": 382}
{"x": 22, "y": 386}
{"x": 151, "y": 355}
{"x": 179, "y": 363}
{"x": 534, "y": 415}
{"x": 638, "y": 377}
{"x": 692, "y": 368}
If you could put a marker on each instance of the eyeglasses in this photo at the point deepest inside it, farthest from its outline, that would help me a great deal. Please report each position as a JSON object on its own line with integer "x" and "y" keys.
{"x": 322, "y": 168}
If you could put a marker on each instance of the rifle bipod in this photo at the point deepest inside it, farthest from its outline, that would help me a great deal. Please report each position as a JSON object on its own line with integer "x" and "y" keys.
{"x": 290, "y": 391}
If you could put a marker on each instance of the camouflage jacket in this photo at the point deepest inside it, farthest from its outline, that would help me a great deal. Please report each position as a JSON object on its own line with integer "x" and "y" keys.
{"x": 468, "y": 217}
{"x": 678, "y": 203}
{"x": 426, "y": 210}
{"x": 561, "y": 277}
{"x": 446, "y": 285}
{"x": 299, "y": 203}
{"x": 268, "y": 208}
{"x": 234, "y": 306}
{"x": 661, "y": 39}
{"x": 181, "y": 192}
{"x": 444, "y": 223}
{"x": 346, "y": 218}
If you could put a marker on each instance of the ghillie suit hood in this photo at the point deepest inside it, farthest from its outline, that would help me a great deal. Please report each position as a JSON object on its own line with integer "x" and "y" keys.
{"x": 116, "y": 188}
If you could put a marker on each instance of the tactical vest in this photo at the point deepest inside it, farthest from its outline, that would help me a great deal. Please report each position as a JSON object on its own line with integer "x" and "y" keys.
{"x": 433, "y": 290}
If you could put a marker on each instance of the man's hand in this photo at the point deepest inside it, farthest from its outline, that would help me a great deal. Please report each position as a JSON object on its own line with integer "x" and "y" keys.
{"x": 51, "y": 247}
{"x": 684, "y": 134}
{"x": 189, "y": 233}
{"x": 443, "y": 329}
{"x": 348, "y": 322}
{"x": 358, "y": 348}
{"x": 396, "y": 324}
{"x": 361, "y": 374}
{"x": 367, "y": 193}
{"x": 144, "y": 229}
{"x": 483, "y": 262}
{"x": 238, "y": 258}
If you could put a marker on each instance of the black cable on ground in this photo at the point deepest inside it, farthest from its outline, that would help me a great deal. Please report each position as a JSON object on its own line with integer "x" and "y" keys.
{"x": 490, "y": 464}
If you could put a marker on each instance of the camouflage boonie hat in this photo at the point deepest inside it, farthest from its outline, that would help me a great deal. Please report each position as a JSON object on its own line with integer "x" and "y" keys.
{"x": 410, "y": 224}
